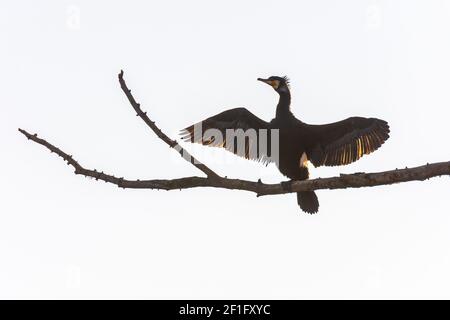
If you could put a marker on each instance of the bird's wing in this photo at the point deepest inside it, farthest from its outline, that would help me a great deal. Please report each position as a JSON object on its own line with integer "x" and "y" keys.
{"x": 237, "y": 130}
{"x": 345, "y": 141}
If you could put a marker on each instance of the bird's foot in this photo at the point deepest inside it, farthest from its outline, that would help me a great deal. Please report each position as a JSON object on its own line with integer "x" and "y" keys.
{"x": 287, "y": 185}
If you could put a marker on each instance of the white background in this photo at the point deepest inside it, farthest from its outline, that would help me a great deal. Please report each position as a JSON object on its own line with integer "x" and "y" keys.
{"x": 66, "y": 236}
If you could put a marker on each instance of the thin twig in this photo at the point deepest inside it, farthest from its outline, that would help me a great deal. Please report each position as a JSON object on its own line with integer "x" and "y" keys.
{"x": 172, "y": 143}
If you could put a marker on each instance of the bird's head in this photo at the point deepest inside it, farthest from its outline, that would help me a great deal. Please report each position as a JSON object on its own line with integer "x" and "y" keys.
{"x": 279, "y": 84}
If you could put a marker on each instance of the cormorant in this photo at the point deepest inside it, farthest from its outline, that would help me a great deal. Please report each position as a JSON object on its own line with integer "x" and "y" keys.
{"x": 333, "y": 144}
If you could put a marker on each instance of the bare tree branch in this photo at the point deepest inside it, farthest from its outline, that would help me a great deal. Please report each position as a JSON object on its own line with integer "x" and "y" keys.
{"x": 356, "y": 180}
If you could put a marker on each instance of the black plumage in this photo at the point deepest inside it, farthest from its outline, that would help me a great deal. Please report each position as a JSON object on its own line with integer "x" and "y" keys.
{"x": 333, "y": 144}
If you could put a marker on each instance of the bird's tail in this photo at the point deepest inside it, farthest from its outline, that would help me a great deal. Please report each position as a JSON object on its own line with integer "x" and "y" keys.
{"x": 308, "y": 202}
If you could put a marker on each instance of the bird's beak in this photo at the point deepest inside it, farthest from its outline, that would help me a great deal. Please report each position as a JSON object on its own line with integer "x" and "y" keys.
{"x": 265, "y": 81}
{"x": 273, "y": 83}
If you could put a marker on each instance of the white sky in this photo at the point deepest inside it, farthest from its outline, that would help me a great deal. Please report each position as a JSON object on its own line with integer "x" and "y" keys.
{"x": 64, "y": 236}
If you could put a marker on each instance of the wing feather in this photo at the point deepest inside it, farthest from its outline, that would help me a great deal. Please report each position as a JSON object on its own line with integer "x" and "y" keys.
{"x": 346, "y": 141}
{"x": 241, "y": 121}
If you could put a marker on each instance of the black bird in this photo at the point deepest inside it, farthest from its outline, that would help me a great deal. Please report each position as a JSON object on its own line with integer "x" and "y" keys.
{"x": 333, "y": 144}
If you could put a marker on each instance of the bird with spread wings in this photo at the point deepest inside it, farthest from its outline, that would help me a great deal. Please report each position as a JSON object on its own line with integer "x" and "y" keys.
{"x": 333, "y": 144}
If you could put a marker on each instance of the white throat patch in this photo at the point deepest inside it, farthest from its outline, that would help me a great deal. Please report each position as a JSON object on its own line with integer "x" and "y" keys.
{"x": 303, "y": 160}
